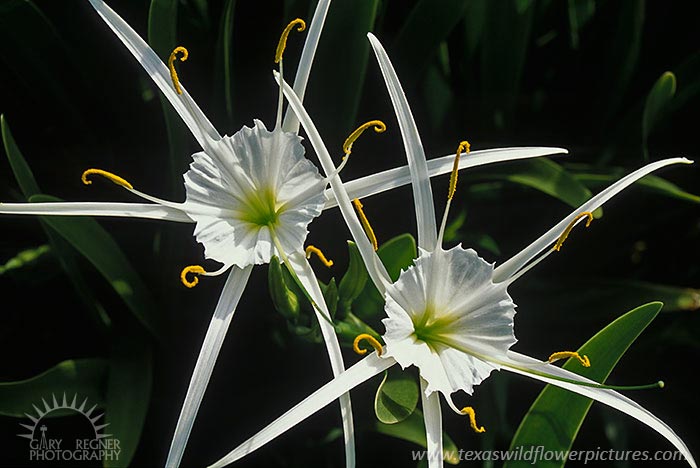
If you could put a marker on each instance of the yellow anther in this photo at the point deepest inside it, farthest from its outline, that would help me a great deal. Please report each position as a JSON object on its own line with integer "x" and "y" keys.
{"x": 369, "y": 339}
{"x": 464, "y": 147}
{"x": 571, "y": 225}
{"x": 365, "y": 224}
{"x": 285, "y": 34}
{"x": 469, "y": 411}
{"x": 585, "y": 362}
{"x": 108, "y": 175}
{"x": 171, "y": 66}
{"x": 378, "y": 125}
{"x": 315, "y": 250}
{"x": 194, "y": 270}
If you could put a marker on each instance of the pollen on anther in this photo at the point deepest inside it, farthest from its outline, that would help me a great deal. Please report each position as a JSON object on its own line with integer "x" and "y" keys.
{"x": 378, "y": 125}
{"x": 585, "y": 362}
{"x": 311, "y": 249}
{"x": 171, "y": 65}
{"x": 464, "y": 147}
{"x": 567, "y": 231}
{"x": 107, "y": 175}
{"x": 365, "y": 223}
{"x": 369, "y": 339}
{"x": 469, "y": 411}
{"x": 191, "y": 269}
{"x": 282, "y": 44}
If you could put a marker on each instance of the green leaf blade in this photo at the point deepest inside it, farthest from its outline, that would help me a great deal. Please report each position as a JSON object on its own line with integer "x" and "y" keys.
{"x": 556, "y": 416}
{"x": 100, "y": 249}
{"x": 128, "y": 392}
{"x": 85, "y": 377}
{"x": 396, "y": 397}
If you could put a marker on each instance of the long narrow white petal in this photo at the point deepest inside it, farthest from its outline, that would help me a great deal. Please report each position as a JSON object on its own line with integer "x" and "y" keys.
{"x": 190, "y": 113}
{"x": 422, "y": 194}
{"x": 351, "y": 378}
{"x": 520, "y": 362}
{"x": 231, "y": 294}
{"x": 306, "y": 275}
{"x": 512, "y": 266}
{"x": 125, "y": 210}
{"x": 432, "y": 416}
{"x": 374, "y": 265}
{"x": 291, "y": 123}
{"x": 400, "y": 176}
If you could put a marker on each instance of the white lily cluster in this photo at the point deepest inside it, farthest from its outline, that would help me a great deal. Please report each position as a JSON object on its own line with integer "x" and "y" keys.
{"x": 253, "y": 195}
{"x": 449, "y": 314}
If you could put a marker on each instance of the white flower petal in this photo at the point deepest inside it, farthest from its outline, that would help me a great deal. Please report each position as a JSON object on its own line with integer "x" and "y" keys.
{"x": 260, "y": 177}
{"x": 291, "y": 123}
{"x": 441, "y": 308}
{"x": 354, "y": 376}
{"x": 400, "y": 176}
{"x": 527, "y": 366}
{"x": 193, "y": 117}
{"x": 308, "y": 279}
{"x": 231, "y": 294}
{"x": 422, "y": 193}
{"x": 125, "y": 210}
{"x": 376, "y": 269}
{"x": 432, "y": 416}
{"x": 511, "y": 267}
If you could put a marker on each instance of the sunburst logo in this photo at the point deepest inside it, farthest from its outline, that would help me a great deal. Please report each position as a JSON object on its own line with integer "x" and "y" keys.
{"x": 91, "y": 445}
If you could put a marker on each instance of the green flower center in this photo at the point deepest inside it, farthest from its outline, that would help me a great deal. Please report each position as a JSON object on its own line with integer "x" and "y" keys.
{"x": 432, "y": 328}
{"x": 261, "y": 208}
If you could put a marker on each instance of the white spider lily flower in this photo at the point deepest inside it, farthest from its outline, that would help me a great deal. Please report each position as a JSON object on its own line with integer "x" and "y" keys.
{"x": 449, "y": 314}
{"x": 250, "y": 196}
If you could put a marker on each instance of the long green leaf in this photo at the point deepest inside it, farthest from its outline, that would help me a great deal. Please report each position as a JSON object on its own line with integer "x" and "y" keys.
{"x": 32, "y": 48}
{"x": 580, "y": 13}
{"x": 657, "y": 101}
{"x": 98, "y": 247}
{"x": 339, "y": 34}
{"x": 26, "y": 258}
{"x": 128, "y": 391}
{"x": 85, "y": 377}
{"x": 65, "y": 254}
{"x": 504, "y": 47}
{"x": 653, "y": 183}
{"x": 607, "y": 295}
{"x": 224, "y": 58}
{"x": 543, "y": 175}
{"x": 622, "y": 54}
{"x": 23, "y": 173}
{"x": 162, "y": 36}
{"x": 555, "y": 418}
{"x": 427, "y": 25}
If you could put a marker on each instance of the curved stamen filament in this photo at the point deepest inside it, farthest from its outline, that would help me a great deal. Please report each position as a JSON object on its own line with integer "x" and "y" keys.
{"x": 585, "y": 362}
{"x": 316, "y": 251}
{"x": 469, "y": 411}
{"x": 171, "y": 66}
{"x": 464, "y": 147}
{"x": 108, "y": 175}
{"x": 365, "y": 223}
{"x": 195, "y": 270}
{"x": 369, "y": 339}
{"x": 378, "y": 125}
{"x": 282, "y": 44}
{"x": 571, "y": 225}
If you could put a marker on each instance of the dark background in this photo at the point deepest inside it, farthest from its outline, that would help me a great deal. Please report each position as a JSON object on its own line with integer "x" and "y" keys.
{"x": 75, "y": 98}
